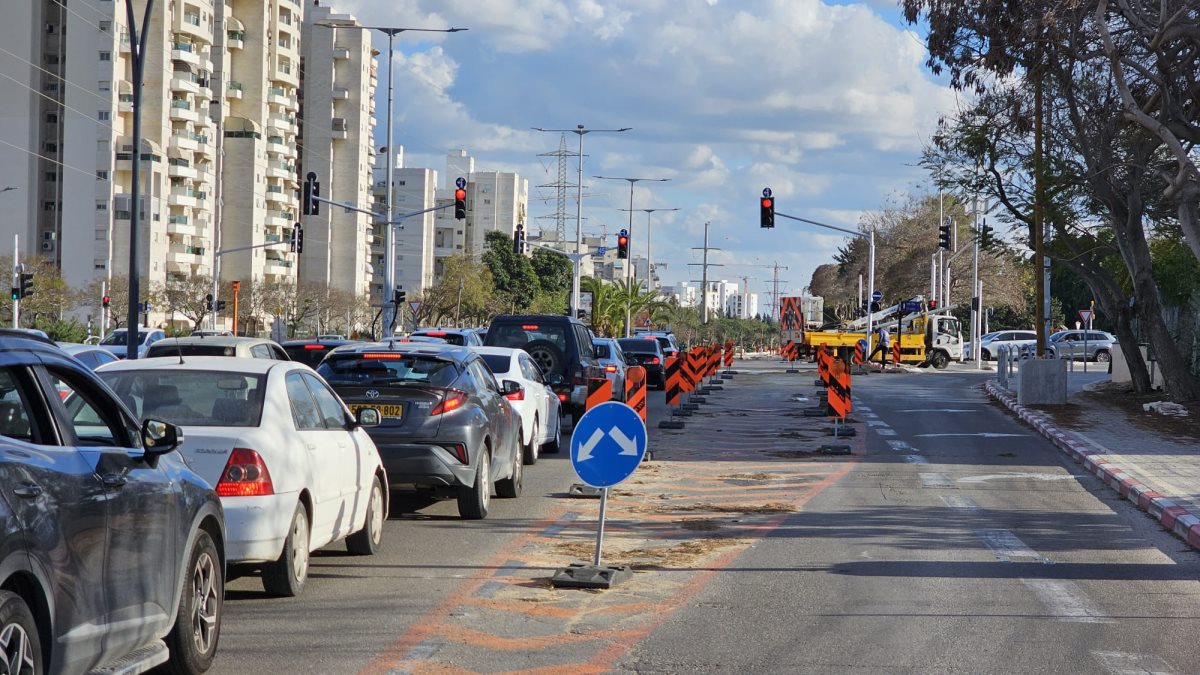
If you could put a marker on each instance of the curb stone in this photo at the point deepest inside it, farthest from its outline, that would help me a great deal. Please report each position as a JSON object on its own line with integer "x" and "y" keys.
{"x": 1173, "y": 516}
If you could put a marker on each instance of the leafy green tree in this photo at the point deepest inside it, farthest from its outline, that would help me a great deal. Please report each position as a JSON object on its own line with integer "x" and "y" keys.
{"x": 554, "y": 270}
{"x": 512, "y": 274}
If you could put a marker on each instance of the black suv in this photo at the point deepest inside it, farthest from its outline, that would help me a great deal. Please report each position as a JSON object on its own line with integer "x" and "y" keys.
{"x": 646, "y": 351}
{"x": 560, "y": 345}
{"x": 111, "y": 548}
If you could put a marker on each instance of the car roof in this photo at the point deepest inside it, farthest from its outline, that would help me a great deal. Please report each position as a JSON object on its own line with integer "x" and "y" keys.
{"x": 18, "y": 340}
{"x": 498, "y": 351}
{"x": 220, "y": 363}
{"x": 457, "y": 352}
{"x": 74, "y": 348}
{"x": 318, "y": 341}
{"x": 522, "y": 318}
{"x": 218, "y": 340}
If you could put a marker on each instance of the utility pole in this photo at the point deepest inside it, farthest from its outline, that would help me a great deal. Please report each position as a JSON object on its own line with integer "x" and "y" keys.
{"x": 137, "y": 52}
{"x": 704, "y": 273}
{"x": 16, "y": 275}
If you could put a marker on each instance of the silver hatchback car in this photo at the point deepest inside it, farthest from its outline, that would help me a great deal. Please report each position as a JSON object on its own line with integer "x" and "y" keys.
{"x": 1077, "y": 345}
{"x": 609, "y": 353}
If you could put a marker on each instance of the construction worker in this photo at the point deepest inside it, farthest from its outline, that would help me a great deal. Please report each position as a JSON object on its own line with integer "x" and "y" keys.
{"x": 882, "y": 346}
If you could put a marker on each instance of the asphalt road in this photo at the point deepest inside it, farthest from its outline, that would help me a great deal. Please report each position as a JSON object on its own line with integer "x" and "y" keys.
{"x": 952, "y": 540}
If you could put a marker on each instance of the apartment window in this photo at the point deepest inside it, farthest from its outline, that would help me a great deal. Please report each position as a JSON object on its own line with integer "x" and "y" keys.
{"x": 51, "y": 28}
{"x": 102, "y": 206}
{"x": 400, "y": 182}
{"x": 99, "y": 264}
{"x": 51, "y": 59}
{"x": 51, "y": 87}
{"x": 47, "y": 206}
{"x": 51, "y": 177}
{"x": 105, "y": 85}
{"x": 106, "y": 56}
{"x": 51, "y": 118}
{"x": 50, "y": 147}
{"x": 106, "y": 26}
{"x": 104, "y": 115}
{"x": 101, "y": 175}
{"x": 101, "y": 235}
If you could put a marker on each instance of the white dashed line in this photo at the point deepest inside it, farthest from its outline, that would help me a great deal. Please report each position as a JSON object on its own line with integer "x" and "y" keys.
{"x": 956, "y": 502}
{"x": 1066, "y": 602}
{"x": 885, "y": 431}
{"x": 915, "y": 459}
{"x": 1125, "y": 663}
{"x": 900, "y": 446}
{"x": 936, "y": 480}
{"x": 1008, "y": 548}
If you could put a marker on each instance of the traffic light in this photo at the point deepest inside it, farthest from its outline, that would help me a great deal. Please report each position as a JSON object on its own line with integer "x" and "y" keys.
{"x": 297, "y": 243}
{"x": 26, "y": 284}
{"x": 986, "y": 238}
{"x": 519, "y": 240}
{"x": 398, "y": 297}
{"x": 944, "y": 235}
{"x": 933, "y": 304}
{"x": 312, "y": 190}
{"x": 623, "y": 245}
{"x": 208, "y": 302}
{"x": 766, "y": 212}
{"x": 16, "y": 293}
{"x": 460, "y": 204}
{"x": 220, "y": 305}
{"x": 106, "y": 301}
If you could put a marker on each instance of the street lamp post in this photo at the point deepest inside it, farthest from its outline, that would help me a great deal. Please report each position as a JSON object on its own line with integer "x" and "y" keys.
{"x": 629, "y": 262}
{"x": 580, "y": 130}
{"x": 389, "y": 237}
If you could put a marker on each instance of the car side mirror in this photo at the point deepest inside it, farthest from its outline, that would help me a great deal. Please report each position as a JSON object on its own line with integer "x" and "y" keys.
{"x": 510, "y": 387}
{"x": 555, "y": 379}
{"x": 367, "y": 417}
{"x": 158, "y": 439}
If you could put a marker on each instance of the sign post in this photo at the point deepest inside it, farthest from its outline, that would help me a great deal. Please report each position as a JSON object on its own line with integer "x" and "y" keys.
{"x": 607, "y": 446}
{"x": 1086, "y": 316}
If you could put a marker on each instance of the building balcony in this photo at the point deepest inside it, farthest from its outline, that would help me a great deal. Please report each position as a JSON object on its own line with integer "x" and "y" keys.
{"x": 235, "y": 39}
{"x": 276, "y": 194}
{"x": 185, "y": 52}
{"x": 287, "y": 74}
{"x": 339, "y": 128}
{"x": 184, "y": 141}
{"x": 181, "y": 111}
{"x": 182, "y": 197}
{"x": 277, "y": 267}
{"x": 125, "y": 103}
{"x": 280, "y": 219}
{"x": 186, "y": 84}
{"x": 281, "y": 124}
{"x": 190, "y": 24}
{"x": 341, "y": 53}
{"x": 284, "y": 170}
{"x": 177, "y": 168}
{"x": 179, "y": 225}
{"x": 233, "y": 89}
{"x": 280, "y": 96}
{"x": 341, "y": 93}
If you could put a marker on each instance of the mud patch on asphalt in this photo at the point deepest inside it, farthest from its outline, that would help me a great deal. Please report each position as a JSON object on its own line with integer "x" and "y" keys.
{"x": 699, "y": 525}
{"x": 750, "y": 476}
{"x": 806, "y": 453}
{"x": 770, "y": 507}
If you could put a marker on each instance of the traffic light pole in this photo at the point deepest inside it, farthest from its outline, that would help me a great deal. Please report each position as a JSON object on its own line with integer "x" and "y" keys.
{"x": 16, "y": 281}
{"x": 870, "y": 237}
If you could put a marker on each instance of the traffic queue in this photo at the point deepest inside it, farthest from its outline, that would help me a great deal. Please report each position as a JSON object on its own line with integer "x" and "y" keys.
{"x": 245, "y": 456}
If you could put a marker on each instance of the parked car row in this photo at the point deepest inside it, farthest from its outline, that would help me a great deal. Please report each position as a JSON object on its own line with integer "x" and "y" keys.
{"x": 130, "y": 488}
{"x": 1090, "y": 345}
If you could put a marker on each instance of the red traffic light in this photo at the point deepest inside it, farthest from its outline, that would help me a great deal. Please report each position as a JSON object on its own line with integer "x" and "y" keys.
{"x": 104, "y": 301}
{"x": 621, "y": 241}
{"x": 767, "y": 202}
{"x": 460, "y": 194}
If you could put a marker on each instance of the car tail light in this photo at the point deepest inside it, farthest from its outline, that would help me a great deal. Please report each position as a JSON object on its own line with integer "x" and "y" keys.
{"x": 516, "y": 395}
{"x": 562, "y": 397}
{"x": 454, "y": 400}
{"x": 610, "y": 369}
{"x": 384, "y": 356}
{"x": 654, "y": 359}
{"x": 245, "y": 475}
{"x": 314, "y": 346}
{"x": 434, "y": 333}
{"x": 460, "y": 453}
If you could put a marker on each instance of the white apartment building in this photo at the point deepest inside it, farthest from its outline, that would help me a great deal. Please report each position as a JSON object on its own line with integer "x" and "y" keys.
{"x": 416, "y": 190}
{"x": 219, "y": 98}
{"x": 743, "y": 305}
{"x": 718, "y": 295}
{"x": 684, "y": 293}
{"x": 338, "y": 88}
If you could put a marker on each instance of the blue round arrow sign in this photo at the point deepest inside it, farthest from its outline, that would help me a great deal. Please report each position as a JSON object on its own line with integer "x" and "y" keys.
{"x": 608, "y": 444}
{"x": 877, "y": 296}
{"x": 460, "y": 182}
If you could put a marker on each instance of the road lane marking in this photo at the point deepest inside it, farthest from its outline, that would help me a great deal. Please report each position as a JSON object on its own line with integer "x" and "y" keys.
{"x": 1065, "y": 601}
{"x": 956, "y": 502}
{"x": 939, "y": 410}
{"x": 1126, "y": 663}
{"x": 900, "y": 446}
{"x": 915, "y": 459}
{"x": 1015, "y": 475}
{"x": 1008, "y": 548}
{"x": 885, "y": 431}
{"x": 981, "y": 434}
{"x": 877, "y": 423}
{"x": 936, "y": 480}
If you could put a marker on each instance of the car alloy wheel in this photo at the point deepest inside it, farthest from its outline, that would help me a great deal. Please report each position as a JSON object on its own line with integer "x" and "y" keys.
{"x": 206, "y": 605}
{"x": 17, "y": 644}
{"x": 299, "y": 541}
{"x": 532, "y": 447}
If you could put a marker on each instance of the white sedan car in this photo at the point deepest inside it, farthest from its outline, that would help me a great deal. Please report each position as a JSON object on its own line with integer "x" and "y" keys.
{"x": 536, "y": 403}
{"x": 294, "y": 470}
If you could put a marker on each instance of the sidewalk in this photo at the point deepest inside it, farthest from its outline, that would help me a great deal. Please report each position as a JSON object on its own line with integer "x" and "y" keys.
{"x": 1150, "y": 459}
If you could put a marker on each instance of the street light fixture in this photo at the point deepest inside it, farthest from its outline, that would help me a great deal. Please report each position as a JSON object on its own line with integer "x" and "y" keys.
{"x": 389, "y": 260}
{"x": 629, "y": 265}
{"x": 581, "y": 131}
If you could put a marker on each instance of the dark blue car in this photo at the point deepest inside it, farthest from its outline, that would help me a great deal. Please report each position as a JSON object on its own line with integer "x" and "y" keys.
{"x": 111, "y": 549}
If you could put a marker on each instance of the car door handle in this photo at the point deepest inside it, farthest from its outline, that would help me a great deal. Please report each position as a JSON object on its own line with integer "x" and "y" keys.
{"x": 114, "y": 480}
{"x": 28, "y": 490}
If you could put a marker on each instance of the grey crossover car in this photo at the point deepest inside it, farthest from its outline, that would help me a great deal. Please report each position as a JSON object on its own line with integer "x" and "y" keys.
{"x": 446, "y": 426}
{"x": 110, "y": 546}
{"x": 1077, "y": 345}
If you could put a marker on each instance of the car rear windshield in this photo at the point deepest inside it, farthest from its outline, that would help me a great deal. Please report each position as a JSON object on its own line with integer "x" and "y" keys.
{"x": 499, "y": 363}
{"x": 118, "y": 338}
{"x": 639, "y": 345}
{"x": 516, "y": 336}
{"x": 452, "y": 338}
{"x": 388, "y": 368}
{"x": 602, "y": 350}
{"x": 191, "y": 397}
{"x": 309, "y": 355}
{"x": 189, "y": 350}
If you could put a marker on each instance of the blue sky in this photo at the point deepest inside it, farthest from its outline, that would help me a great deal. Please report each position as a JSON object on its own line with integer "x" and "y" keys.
{"x": 828, "y": 103}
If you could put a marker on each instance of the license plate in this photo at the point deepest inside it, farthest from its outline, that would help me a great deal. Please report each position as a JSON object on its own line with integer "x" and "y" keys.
{"x": 393, "y": 411}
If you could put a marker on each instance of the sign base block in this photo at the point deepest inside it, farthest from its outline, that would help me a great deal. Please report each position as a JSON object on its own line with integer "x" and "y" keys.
{"x": 841, "y": 431}
{"x": 728, "y": 373}
{"x": 835, "y": 449}
{"x": 814, "y": 412}
{"x": 716, "y": 387}
{"x": 578, "y": 575}
{"x": 670, "y": 424}
{"x": 648, "y": 457}
{"x": 819, "y": 383}
{"x": 583, "y": 490}
{"x": 792, "y": 370}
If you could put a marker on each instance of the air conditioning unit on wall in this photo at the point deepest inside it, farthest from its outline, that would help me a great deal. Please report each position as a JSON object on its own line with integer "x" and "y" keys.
{"x": 47, "y": 245}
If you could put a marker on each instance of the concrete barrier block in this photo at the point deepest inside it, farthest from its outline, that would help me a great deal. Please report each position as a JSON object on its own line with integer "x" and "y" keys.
{"x": 1042, "y": 382}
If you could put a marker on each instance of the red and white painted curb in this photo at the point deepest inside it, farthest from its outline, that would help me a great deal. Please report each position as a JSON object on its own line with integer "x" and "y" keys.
{"x": 1174, "y": 516}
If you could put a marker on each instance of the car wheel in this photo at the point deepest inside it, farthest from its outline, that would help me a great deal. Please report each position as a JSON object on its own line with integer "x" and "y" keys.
{"x": 366, "y": 541}
{"x": 510, "y": 488}
{"x": 474, "y": 500}
{"x": 285, "y": 577}
{"x": 939, "y": 360}
{"x": 546, "y": 354}
{"x": 20, "y": 649}
{"x": 987, "y": 356}
{"x": 552, "y": 445}
{"x": 192, "y": 642}
{"x": 530, "y": 450}
{"x": 1103, "y": 357}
